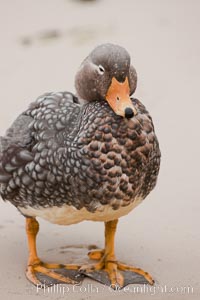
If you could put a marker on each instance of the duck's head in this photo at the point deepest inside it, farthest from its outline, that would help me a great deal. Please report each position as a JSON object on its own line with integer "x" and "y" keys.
{"x": 107, "y": 75}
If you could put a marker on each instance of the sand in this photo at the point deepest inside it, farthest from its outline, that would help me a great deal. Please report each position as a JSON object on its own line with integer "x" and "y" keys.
{"x": 42, "y": 45}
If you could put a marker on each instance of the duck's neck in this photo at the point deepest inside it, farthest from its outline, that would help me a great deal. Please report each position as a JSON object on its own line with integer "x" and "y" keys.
{"x": 83, "y": 101}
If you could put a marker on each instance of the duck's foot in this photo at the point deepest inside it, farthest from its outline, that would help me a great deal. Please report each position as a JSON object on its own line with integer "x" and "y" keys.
{"x": 45, "y": 274}
{"x": 107, "y": 271}
{"x": 96, "y": 254}
{"x": 114, "y": 273}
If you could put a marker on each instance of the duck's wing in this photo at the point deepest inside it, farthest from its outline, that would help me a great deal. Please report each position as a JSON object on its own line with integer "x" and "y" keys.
{"x": 43, "y": 116}
{"x": 15, "y": 147}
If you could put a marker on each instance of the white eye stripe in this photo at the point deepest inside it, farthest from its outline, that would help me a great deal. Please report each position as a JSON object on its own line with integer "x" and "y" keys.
{"x": 101, "y": 69}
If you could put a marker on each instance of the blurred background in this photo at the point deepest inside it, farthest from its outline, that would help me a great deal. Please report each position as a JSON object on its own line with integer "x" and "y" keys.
{"x": 43, "y": 43}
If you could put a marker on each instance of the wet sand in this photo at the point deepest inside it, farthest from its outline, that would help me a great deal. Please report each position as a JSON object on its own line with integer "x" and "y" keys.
{"x": 42, "y": 45}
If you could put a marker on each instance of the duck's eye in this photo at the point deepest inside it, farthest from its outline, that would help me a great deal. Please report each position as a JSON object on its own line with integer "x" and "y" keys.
{"x": 101, "y": 69}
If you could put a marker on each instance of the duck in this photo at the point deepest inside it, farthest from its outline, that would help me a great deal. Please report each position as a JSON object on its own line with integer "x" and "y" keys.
{"x": 89, "y": 156}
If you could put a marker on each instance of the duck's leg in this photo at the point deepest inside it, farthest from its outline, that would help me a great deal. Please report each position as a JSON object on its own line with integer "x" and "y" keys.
{"x": 115, "y": 270}
{"x": 35, "y": 265}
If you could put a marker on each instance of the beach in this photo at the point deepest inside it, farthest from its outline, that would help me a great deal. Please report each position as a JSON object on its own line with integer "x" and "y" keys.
{"x": 42, "y": 45}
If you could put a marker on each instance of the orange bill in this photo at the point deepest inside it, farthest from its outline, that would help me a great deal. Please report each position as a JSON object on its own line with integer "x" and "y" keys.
{"x": 118, "y": 97}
